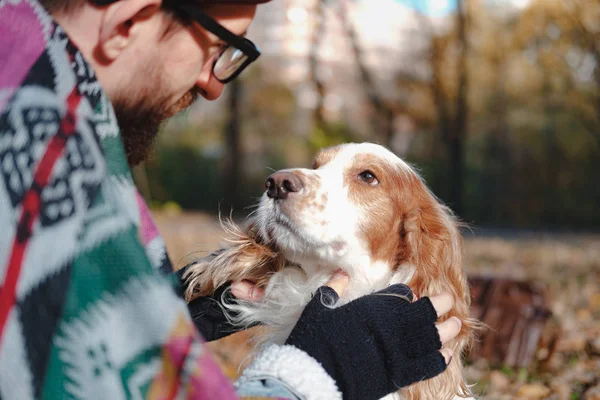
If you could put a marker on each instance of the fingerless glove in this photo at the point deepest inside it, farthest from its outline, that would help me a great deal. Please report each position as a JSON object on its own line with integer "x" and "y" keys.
{"x": 373, "y": 345}
{"x": 207, "y": 312}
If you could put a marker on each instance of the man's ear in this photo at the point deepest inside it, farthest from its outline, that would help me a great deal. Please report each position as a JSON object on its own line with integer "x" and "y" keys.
{"x": 121, "y": 25}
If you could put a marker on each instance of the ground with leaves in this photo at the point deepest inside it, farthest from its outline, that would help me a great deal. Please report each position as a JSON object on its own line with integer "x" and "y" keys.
{"x": 567, "y": 264}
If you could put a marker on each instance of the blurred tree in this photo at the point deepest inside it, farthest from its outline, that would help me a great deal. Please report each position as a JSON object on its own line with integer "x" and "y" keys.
{"x": 563, "y": 38}
{"x": 491, "y": 160}
{"x": 557, "y": 38}
{"x": 447, "y": 59}
{"x": 269, "y": 124}
{"x": 382, "y": 120}
{"x": 313, "y": 61}
{"x": 458, "y": 131}
{"x": 525, "y": 105}
{"x": 583, "y": 16}
{"x": 232, "y": 160}
{"x": 333, "y": 133}
{"x": 186, "y": 176}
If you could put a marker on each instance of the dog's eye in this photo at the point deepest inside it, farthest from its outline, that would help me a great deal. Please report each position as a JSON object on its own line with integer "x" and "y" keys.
{"x": 368, "y": 177}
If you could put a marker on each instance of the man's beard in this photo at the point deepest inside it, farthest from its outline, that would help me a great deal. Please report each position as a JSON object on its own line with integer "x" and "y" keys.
{"x": 139, "y": 121}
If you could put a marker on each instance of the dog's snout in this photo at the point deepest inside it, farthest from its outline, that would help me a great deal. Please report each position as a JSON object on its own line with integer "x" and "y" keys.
{"x": 280, "y": 184}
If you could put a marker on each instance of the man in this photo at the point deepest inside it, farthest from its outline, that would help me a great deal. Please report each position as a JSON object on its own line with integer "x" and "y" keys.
{"x": 84, "y": 310}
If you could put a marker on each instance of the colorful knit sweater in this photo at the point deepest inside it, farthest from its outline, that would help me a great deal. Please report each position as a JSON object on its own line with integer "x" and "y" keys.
{"x": 84, "y": 311}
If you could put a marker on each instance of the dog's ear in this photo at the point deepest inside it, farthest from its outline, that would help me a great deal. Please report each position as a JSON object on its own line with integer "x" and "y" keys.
{"x": 246, "y": 256}
{"x": 432, "y": 244}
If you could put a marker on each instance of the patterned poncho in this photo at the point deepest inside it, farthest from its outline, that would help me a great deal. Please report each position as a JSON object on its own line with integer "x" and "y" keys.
{"x": 85, "y": 312}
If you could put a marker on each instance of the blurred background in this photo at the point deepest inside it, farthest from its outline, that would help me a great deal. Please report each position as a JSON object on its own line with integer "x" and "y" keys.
{"x": 496, "y": 102}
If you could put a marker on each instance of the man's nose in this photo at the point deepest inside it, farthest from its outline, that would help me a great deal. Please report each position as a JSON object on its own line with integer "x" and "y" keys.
{"x": 210, "y": 87}
{"x": 280, "y": 184}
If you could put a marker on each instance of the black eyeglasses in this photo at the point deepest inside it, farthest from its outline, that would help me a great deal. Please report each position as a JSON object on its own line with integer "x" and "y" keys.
{"x": 233, "y": 58}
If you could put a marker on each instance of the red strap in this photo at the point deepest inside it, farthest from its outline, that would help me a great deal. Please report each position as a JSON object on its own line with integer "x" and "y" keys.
{"x": 32, "y": 205}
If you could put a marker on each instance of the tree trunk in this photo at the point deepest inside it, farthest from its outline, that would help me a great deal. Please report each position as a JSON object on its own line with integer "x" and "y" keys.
{"x": 383, "y": 116}
{"x": 517, "y": 322}
{"x": 459, "y": 133}
{"x": 597, "y": 80}
{"x": 319, "y": 111}
{"x": 233, "y": 153}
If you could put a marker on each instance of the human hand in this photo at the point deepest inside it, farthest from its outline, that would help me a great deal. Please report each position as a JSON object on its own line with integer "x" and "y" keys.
{"x": 442, "y": 304}
{"x": 246, "y": 290}
{"x": 378, "y": 343}
{"x": 207, "y": 312}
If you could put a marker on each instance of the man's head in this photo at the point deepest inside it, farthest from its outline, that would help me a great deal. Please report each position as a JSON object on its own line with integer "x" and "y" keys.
{"x": 151, "y": 57}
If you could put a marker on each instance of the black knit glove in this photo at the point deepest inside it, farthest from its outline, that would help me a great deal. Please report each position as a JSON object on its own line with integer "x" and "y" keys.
{"x": 373, "y": 345}
{"x": 207, "y": 313}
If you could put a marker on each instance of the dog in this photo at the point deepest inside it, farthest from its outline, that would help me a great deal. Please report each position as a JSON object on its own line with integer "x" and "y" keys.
{"x": 364, "y": 210}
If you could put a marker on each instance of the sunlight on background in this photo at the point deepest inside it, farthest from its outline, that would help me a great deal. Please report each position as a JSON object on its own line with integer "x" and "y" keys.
{"x": 431, "y": 7}
{"x": 443, "y": 7}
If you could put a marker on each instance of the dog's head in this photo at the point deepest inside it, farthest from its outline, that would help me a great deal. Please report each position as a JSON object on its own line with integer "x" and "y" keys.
{"x": 361, "y": 206}
{"x": 362, "y": 209}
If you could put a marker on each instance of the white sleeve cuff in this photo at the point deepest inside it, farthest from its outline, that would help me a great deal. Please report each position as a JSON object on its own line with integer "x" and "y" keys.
{"x": 299, "y": 372}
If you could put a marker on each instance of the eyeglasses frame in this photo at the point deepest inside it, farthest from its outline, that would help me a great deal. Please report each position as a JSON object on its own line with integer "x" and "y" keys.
{"x": 193, "y": 13}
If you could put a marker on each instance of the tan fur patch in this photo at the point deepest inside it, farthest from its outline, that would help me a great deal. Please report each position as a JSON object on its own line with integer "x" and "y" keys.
{"x": 324, "y": 156}
{"x": 246, "y": 257}
{"x": 376, "y": 203}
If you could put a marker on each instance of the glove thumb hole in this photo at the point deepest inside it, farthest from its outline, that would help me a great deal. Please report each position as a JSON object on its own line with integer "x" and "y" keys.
{"x": 328, "y": 294}
{"x": 338, "y": 282}
{"x": 448, "y": 354}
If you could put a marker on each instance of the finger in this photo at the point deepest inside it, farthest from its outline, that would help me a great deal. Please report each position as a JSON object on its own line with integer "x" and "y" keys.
{"x": 338, "y": 282}
{"x": 442, "y": 303}
{"x": 449, "y": 329}
{"x": 447, "y": 353}
{"x": 246, "y": 290}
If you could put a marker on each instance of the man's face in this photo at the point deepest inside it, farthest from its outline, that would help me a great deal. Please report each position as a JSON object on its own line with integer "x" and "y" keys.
{"x": 167, "y": 73}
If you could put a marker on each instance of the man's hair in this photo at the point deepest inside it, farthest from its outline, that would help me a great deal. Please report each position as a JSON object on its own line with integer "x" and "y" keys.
{"x": 62, "y": 6}
{"x": 67, "y": 6}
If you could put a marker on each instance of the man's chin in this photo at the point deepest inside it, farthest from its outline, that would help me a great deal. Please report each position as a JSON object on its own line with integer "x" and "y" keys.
{"x": 141, "y": 122}
{"x": 138, "y": 131}
{"x": 182, "y": 104}
{"x": 138, "y": 146}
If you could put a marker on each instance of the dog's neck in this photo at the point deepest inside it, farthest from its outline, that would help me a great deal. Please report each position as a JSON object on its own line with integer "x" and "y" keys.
{"x": 289, "y": 290}
{"x": 366, "y": 276}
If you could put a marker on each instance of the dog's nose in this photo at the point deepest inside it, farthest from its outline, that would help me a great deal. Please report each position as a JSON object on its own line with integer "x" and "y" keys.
{"x": 281, "y": 183}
